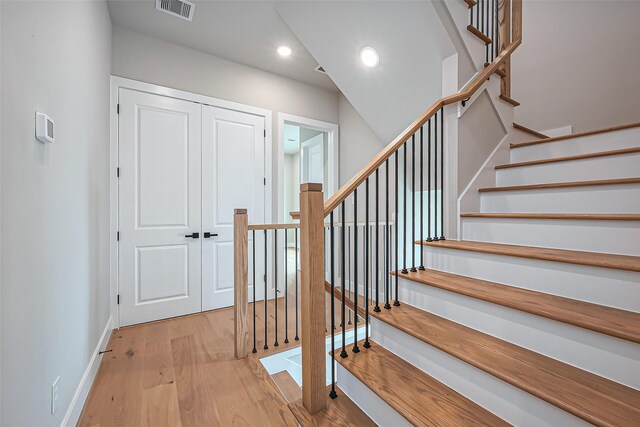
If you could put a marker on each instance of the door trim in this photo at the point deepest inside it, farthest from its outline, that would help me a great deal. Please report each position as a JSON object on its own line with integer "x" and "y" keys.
{"x": 116, "y": 83}
{"x": 332, "y": 155}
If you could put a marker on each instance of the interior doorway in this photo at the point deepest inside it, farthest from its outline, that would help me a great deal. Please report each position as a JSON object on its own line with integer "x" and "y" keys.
{"x": 308, "y": 153}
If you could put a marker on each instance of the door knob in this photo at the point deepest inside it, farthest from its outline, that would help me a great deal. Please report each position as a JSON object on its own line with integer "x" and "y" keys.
{"x": 208, "y": 234}
{"x": 193, "y": 235}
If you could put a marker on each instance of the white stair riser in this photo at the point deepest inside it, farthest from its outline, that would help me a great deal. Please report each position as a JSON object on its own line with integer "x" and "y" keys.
{"x": 609, "y": 357}
{"x": 623, "y": 198}
{"x": 627, "y": 138}
{"x": 620, "y": 237}
{"x": 504, "y": 400}
{"x": 604, "y": 286}
{"x": 609, "y": 167}
{"x": 372, "y": 405}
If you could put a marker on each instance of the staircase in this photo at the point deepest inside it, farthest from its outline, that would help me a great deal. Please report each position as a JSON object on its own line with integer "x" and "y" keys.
{"x": 533, "y": 317}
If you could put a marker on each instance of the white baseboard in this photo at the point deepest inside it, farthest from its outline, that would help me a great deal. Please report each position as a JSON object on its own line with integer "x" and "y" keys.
{"x": 72, "y": 415}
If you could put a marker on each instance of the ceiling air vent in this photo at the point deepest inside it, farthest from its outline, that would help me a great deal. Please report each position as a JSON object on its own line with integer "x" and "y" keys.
{"x": 180, "y": 8}
{"x": 320, "y": 69}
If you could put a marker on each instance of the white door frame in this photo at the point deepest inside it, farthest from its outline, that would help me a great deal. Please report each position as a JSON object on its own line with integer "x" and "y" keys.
{"x": 121, "y": 82}
{"x": 332, "y": 156}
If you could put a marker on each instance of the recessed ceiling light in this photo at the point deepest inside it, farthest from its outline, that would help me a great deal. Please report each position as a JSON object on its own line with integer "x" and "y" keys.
{"x": 369, "y": 56}
{"x": 284, "y": 50}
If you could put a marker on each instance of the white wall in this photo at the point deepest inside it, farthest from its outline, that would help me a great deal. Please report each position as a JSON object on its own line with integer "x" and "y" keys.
{"x": 151, "y": 60}
{"x": 578, "y": 64}
{"x": 410, "y": 39}
{"x": 358, "y": 143}
{"x": 54, "y": 202}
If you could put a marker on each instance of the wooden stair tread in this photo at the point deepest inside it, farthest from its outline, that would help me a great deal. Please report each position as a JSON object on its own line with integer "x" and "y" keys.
{"x": 419, "y": 398}
{"x": 574, "y": 135}
{"x": 509, "y": 100}
{"x": 607, "y": 320}
{"x": 570, "y": 158}
{"x": 470, "y": 3}
{"x": 593, "y": 259}
{"x": 617, "y": 181}
{"x": 568, "y": 216}
{"x": 476, "y": 32}
{"x": 340, "y": 411}
{"x": 594, "y": 399}
{"x": 529, "y": 131}
{"x": 287, "y": 386}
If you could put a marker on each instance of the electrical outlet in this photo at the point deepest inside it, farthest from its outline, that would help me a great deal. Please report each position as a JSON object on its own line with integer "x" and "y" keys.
{"x": 54, "y": 395}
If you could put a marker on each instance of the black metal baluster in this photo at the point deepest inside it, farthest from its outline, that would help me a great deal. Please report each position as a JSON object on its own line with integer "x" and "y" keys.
{"x": 332, "y": 393}
{"x": 435, "y": 174}
{"x": 349, "y": 268}
{"x": 297, "y": 338}
{"x": 404, "y": 213}
{"x": 442, "y": 173}
{"x": 265, "y": 291}
{"x": 367, "y": 276}
{"x": 471, "y": 15}
{"x": 343, "y": 353}
{"x": 397, "y": 263}
{"x": 275, "y": 278}
{"x": 429, "y": 239}
{"x": 481, "y": 16}
{"x": 286, "y": 290}
{"x": 377, "y": 275}
{"x": 397, "y": 231}
{"x": 413, "y": 204}
{"x": 497, "y": 30}
{"x": 421, "y": 199}
{"x": 387, "y": 237}
{"x": 355, "y": 349}
{"x": 253, "y": 264}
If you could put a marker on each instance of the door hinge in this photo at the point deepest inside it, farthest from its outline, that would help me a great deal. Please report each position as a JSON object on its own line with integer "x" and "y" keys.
{"x": 117, "y": 108}
{"x": 117, "y": 236}
{"x": 264, "y": 181}
{"x": 265, "y": 133}
{"x": 117, "y": 172}
{"x": 118, "y": 299}
{"x": 265, "y": 278}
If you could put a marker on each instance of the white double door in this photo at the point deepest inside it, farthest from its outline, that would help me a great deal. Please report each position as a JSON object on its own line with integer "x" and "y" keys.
{"x": 184, "y": 167}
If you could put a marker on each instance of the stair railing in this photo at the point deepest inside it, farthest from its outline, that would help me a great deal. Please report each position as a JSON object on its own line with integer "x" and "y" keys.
{"x": 377, "y": 254}
{"x": 261, "y": 293}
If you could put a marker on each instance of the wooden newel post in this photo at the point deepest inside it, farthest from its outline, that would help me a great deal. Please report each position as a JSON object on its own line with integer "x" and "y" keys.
{"x": 240, "y": 281}
{"x": 314, "y": 390}
{"x": 504, "y": 29}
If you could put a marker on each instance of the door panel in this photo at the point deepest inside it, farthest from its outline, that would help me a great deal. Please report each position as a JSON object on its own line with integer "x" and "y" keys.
{"x": 160, "y": 203}
{"x": 233, "y": 174}
{"x": 313, "y": 159}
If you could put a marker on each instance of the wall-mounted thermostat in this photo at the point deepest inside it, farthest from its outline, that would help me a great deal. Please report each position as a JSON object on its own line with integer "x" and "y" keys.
{"x": 44, "y": 127}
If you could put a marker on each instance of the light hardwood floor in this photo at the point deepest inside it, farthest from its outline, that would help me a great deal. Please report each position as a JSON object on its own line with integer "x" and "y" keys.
{"x": 182, "y": 372}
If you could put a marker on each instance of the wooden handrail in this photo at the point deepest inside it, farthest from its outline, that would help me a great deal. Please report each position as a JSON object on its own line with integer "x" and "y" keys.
{"x": 273, "y": 226}
{"x": 368, "y": 170}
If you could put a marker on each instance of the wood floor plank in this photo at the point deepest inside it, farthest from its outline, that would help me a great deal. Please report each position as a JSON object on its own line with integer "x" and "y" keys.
{"x": 594, "y": 399}
{"x": 593, "y": 259}
{"x": 340, "y": 411}
{"x": 600, "y": 182}
{"x": 160, "y": 406}
{"x": 607, "y": 320}
{"x": 418, "y": 397}
{"x": 212, "y": 388}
